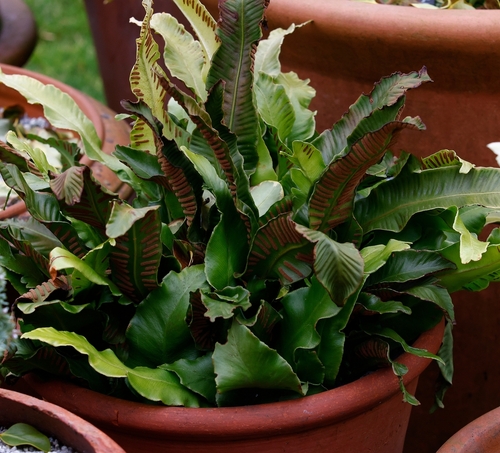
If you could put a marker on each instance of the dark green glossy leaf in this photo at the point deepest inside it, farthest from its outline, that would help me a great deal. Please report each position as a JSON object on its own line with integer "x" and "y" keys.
{"x": 409, "y": 265}
{"x": 302, "y": 309}
{"x": 197, "y": 375}
{"x": 162, "y": 315}
{"x": 245, "y": 362}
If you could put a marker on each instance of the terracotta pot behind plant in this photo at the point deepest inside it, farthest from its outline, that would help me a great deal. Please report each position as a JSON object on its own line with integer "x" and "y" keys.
{"x": 54, "y": 421}
{"x": 366, "y": 415}
{"x": 18, "y": 34}
{"x": 480, "y": 436}
{"x": 110, "y": 131}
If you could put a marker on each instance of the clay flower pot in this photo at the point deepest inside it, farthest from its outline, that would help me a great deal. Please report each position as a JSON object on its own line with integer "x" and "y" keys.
{"x": 18, "y": 34}
{"x": 110, "y": 131}
{"x": 480, "y": 436}
{"x": 54, "y": 421}
{"x": 366, "y": 415}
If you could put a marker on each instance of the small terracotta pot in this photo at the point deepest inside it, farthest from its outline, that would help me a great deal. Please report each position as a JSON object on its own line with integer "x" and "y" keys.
{"x": 18, "y": 34}
{"x": 54, "y": 421}
{"x": 480, "y": 436}
{"x": 110, "y": 131}
{"x": 366, "y": 415}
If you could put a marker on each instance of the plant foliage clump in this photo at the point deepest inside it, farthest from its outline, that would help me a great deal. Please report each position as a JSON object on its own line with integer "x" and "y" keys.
{"x": 259, "y": 260}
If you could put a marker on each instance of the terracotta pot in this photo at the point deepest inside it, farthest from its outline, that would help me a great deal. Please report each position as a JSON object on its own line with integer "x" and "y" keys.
{"x": 480, "y": 436}
{"x": 366, "y": 415}
{"x": 110, "y": 131}
{"x": 18, "y": 34}
{"x": 349, "y": 46}
{"x": 52, "y": 420}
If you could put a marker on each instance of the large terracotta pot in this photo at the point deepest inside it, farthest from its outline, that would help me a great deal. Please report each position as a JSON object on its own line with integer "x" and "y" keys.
{"x": 480, "y": 436}
{"x": 347, "y": 47}
{"x": 18, "y": 34}
{"x": 52, "y": 420}
{"x": 110, "y": 131}
{"x": 366, "y": 415}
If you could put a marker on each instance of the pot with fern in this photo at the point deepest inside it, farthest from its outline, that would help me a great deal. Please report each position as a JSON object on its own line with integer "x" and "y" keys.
{"x": 18, "y": 113}
{"x": 286, "y": 287}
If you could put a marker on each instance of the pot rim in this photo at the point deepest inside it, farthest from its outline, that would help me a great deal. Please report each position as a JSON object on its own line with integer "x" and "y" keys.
{"x": 295, "y": 415}
{"x": 482, "y": 434}
{"x": 49, "y": 418}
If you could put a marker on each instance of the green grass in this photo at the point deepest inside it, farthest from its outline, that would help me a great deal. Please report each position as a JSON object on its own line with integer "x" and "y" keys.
{"x": 65, "y": 50}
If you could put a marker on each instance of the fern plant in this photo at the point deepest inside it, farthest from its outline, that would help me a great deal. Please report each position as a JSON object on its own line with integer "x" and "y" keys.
{"x": 258, "y": 260}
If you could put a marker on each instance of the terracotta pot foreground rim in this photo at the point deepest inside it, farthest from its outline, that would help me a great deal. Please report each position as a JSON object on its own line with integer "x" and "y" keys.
{"x": 295, "y": 415}
{"x": 56, "y": 421}
{"x": 480, "y": 435}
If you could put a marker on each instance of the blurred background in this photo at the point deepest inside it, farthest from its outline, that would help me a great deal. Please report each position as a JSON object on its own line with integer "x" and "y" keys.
{"x": 65, "y": 49}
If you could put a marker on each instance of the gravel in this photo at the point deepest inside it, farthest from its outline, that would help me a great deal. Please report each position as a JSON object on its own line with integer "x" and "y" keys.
{"x": 55, "y": 447}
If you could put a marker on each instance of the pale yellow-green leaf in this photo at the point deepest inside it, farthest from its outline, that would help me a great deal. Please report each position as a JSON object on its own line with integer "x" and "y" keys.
{"x": 183, "y": 56}
{"x": 203, "y": 24}
{"x": 266, "y": 194}
{"x": 375, "y": 256}
{"x": 63, "y": 112}
{"x": 471, "y": 248}
{"x": 123, "y": 216}
{"x": 63, "y": 259}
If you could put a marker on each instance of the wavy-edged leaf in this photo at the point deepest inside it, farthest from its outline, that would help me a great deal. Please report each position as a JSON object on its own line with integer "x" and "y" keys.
{"x": 331, "y": 348}
{"x": 39, "y": 157}
{"x": 135, "y": 257}
{"x": 377, "y": 255}
{"x": 51, "y": 290}
{"x": 94, "y": 205}
{"x": 436, "y": 294}
{"x": 409, "y": 265}
{"x": 197, "y": 375}
{"x": 223, "y": 144}
{"x": 274, "y": 106}
{"x": 475, "y": 275}
{"x": 68, "y": 186}
{"x": 14, "y": 234}
{"x": 154, "y": 384}
{"x": 239, "y": 29}
{"x": 332, "y": 200}
{"x": 42, "y": 206}
{"x": 374, "y": 304}
{"x": 203, "y": 24}
{"x": 338, "y": 266}
{"x": 228, "y": 245}
{"x": 22, "y": 265}
{"x": 390, "y": 205}
{"x": 444, "y": 158}
{"x": 245, "y": 362}
{"x": 182, "y": 179}
{"x": 223, "y": 303}
{"x": 183, "y": 55}
{"x": 145, "y": 74}
{"x": 280, "y": 252}
{"x": 158, "y": 333}
{"x": 387, "y": 92}
{"x": 69, "y": 152}
{"x": 10, "y": 155}
{"x": 63, "y": 112}
{"x": 266, "y": 194}
{"x": 302, "y": 309}
{"x": 300, "y": 94}
{"x": 62, "y": 259}
{"x": 267, "y": 56}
